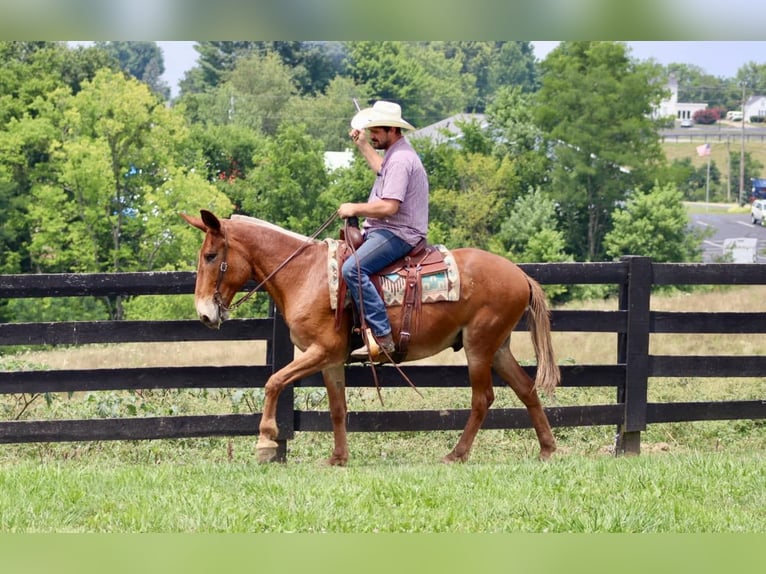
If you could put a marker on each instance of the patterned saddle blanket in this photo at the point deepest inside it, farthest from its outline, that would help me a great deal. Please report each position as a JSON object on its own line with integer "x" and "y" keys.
{"x": 443, "y": 284}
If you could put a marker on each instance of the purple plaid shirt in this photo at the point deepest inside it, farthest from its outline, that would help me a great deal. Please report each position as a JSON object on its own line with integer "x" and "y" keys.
{"x": 402, "y": 177}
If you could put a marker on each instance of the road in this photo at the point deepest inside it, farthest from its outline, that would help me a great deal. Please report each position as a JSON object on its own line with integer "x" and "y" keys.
{"x": 729, "y": 226}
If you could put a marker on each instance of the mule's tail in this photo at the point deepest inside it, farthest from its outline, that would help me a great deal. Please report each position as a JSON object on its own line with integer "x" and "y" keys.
{"x": 539, "y": 323}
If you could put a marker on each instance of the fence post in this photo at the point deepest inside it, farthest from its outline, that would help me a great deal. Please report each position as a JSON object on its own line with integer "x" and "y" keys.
{"x": 633, "y": 351}
{"x": 280, "y": 352}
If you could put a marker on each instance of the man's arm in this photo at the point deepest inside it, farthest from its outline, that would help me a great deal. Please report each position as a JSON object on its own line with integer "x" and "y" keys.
{"x": 373, "y": 158}
{"x": 377, "y": 209}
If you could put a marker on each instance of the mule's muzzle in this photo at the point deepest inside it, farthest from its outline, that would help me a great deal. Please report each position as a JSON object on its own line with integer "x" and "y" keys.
{"x": 211, "y": 314}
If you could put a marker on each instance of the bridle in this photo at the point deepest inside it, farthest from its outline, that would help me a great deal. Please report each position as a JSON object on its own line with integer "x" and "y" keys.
{"x": 224, "y": 266}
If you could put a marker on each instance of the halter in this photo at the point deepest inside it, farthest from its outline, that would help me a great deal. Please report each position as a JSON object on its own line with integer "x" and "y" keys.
{"x": 224, "y": 266}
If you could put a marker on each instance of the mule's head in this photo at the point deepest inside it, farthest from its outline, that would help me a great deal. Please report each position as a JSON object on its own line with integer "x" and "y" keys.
{"x": 222, "y": 269}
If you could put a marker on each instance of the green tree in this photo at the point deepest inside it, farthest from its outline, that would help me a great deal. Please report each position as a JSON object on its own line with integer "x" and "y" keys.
{"x": 753, "y": 169}
{"x": 254, "y": 95}
{"x": 327, "y": 115}
{"x": 530, "y": 233}
{"x": 471, "y": 214}
{"x": 31, "y": 73}
{"x": 227, "y": 153}
{"x": 753, "y": 76}
{"x": 655, "y": 224}
{"x": 696, "y": 85}
{"x": 595, "y": 105}
{"x": 142, "y": 60}
{"x": 512, "y": 126}
{"x": 428, "y": 85}
{"x": 287, "y": 179}
{"x": 494, "y": 65}
{"x": 313, "y": 64}
{"x": 115, "y": 185}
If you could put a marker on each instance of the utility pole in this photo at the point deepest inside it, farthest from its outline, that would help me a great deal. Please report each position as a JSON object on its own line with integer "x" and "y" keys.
{"x": 742, "y": 153}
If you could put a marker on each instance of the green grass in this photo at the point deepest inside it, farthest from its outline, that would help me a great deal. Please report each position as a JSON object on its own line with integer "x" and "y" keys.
{"x": 701, "y": 477}
{"x": 691, "y": 492}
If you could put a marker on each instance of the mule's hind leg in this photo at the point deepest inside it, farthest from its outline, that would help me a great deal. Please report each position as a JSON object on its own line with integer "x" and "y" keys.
{"x": 482, "y": 397}
{"x": 509, "y": 369}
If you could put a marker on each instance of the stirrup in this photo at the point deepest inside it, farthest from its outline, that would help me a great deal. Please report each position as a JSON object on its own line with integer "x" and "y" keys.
{"x": 371, "y": 351}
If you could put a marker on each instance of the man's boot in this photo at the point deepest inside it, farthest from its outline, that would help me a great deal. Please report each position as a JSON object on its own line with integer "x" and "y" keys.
{"x": 378, "y": 350}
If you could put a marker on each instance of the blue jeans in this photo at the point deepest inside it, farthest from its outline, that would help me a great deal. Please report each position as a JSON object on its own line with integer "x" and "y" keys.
{"x": 379, "y": 249}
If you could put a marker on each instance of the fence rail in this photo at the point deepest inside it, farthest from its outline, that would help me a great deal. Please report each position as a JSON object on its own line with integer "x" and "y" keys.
{"x": 712, "y": 136}
{"x": 633, "y": 322}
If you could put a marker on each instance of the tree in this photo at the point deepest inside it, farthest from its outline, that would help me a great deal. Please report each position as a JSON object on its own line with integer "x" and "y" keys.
{"x": 529, "y": 233}
{"x": 327, "y": 115}
{"x": 428, "y": 85}
{"x": 692, "y": 181}
{"x": 696, "y": 85}
{"x": 142, "y": 60}
{"x": 227, "y": 152}
{"x": 471, "y": 214}
{"x": 753, "y": 76}
{"x": 30, "y": 76}
{"x": 753, "y": 169}
{"x": 511, "y": 119}
{"x": 110, "y": 199}
{"x": 254, "y": 95}
{"x": 595, "y": 106}
{"x": 313, "y": 64}
{"x": 655, "y": 224}
{"x": 494, "y": 65}
{"x": 287, "y": 179}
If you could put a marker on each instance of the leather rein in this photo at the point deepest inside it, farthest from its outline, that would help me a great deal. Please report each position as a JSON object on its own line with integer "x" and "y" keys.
{"x": 224, "y": 266}
{"x": 222, "y": 307}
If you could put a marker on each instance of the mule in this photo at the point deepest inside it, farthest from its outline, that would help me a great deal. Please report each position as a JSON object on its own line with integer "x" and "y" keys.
{"x": 495, "y": 294}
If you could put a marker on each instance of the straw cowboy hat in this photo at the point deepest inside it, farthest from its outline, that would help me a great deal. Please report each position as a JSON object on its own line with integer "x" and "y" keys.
{"x": 381, "y": 113}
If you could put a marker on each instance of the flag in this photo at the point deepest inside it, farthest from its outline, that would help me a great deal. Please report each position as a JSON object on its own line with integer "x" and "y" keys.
{"x": 703, "y": 150}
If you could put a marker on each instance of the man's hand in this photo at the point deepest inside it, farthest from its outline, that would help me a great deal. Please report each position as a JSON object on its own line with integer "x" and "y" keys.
{"x": 347, "y": 210}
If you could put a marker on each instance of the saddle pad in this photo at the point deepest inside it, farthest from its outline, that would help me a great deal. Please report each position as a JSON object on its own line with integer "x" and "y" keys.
{"x": 441, "y": 286}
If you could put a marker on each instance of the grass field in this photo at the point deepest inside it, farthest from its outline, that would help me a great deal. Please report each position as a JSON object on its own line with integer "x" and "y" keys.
{"x": 691, "y": 477}
{"x": 719, "y": 153}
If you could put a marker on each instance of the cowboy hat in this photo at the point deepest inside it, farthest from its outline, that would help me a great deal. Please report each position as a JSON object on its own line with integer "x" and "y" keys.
{"x": 381, "y": 113}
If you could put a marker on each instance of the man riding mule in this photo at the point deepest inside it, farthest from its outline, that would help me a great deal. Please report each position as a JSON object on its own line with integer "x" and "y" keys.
{"x": 396, "y": 218}
{"x": 494, "y": 295}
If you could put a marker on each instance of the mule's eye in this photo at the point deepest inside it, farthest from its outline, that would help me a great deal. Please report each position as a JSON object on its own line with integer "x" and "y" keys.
{"x": 210, "y": 257}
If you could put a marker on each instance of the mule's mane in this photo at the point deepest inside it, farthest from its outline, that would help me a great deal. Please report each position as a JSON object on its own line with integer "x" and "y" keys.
{"x": 268, "y": 225}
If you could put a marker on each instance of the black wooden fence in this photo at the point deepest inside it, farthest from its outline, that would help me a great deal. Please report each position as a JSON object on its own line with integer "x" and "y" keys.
{"x": 633, "y": 322}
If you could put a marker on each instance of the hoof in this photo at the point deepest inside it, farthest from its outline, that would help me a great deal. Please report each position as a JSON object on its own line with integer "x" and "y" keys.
{"x": 545, "y": 455}
{"x": 452, "y": 458}
{"x": 267, "y": 451}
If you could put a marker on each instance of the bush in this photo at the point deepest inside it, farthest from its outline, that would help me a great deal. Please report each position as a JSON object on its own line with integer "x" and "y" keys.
{"x": 757, "y": 119}
{"x": 707, "y": 116}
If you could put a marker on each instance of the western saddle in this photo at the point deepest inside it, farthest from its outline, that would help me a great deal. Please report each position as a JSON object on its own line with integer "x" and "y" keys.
{"x": 424, "y": 259}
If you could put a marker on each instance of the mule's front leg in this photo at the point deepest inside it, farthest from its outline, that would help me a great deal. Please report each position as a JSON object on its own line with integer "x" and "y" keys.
{"x": 306, "y": 364}
{"x": 335, "y": 383}
{"x": 267, "y": 445}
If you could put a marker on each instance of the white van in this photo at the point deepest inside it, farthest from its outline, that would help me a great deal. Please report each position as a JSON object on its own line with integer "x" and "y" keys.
{"x": 734, "y": 116}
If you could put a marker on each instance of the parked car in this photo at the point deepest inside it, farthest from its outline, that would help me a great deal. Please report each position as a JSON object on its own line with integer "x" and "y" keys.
{"x": 757, "y": 211}
{"x": 687, "y": 123}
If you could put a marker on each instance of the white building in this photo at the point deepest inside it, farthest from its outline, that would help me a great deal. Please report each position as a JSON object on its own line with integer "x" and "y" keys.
{"x": 338, "y": 159}
{"x": 671, "y": 107}
{"x": 755, "y": 106}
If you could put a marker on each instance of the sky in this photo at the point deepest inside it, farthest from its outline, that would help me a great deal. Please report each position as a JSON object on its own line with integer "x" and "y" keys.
{"x": 718, "y": 58}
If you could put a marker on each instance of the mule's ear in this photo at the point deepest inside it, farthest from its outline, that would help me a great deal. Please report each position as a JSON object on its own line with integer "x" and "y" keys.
{"x": 210, "y": 220}
{"x": 194, "y": 221}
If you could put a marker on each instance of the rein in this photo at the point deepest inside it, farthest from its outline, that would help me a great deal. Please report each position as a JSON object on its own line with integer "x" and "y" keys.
{"x": 363, "y": 328}
{"x": 218, "y": 298}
